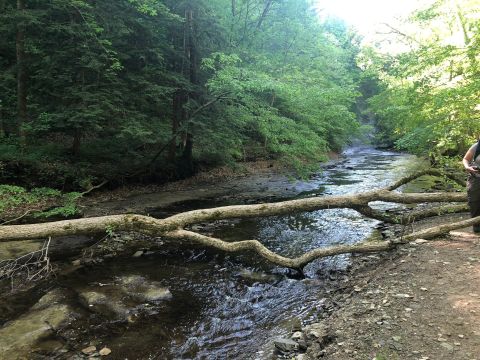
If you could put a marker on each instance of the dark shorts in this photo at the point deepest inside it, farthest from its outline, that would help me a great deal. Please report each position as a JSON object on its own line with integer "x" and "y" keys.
{"x": 473, "y": 193}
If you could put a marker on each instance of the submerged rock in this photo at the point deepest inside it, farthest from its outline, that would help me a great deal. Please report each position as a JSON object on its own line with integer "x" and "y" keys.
{"x": 138, "y": 254}
{"x": 15, "y": 249}
{"x": 123, "y": 298}
{"x": 20, "y": 337}
{"x": 156, "y": 294}
{"x": 92, "y": 298}
{"x": 104, "y": 304}
{"x": 258, "y": 276}
{"x": 140, "y": 288}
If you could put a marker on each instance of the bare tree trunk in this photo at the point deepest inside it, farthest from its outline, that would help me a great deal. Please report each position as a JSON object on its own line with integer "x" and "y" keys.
{"x": 463, "y": 23}
{"x": 2, "y": 125}
{"x": 173, "y": 227}
{"x": 186, "y": 165}
{"x": 177, "y": 110}
{"x": 268, "y": 4}
{"x": 245, "y": 22}
{"x": 77, "y": 136}
{"x": 21, "y": 76}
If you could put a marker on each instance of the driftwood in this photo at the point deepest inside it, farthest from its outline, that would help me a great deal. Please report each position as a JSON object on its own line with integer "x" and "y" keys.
{"x": 174, "y": 227}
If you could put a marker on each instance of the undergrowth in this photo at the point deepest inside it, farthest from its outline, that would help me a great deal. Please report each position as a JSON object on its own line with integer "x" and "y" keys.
{"x": 40, "y": 203}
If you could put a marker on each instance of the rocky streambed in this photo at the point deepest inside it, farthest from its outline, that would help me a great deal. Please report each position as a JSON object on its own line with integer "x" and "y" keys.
{"x": 48, "y": 327}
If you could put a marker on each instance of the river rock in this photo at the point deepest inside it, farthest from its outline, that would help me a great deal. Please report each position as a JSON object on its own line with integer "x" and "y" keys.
{"x": 302, "y": 344}
{"x": 105, "y": 351}
{"x": 156, "y": 294}
{"x": 285, "y": 345}
{"x": 99, "y": 302}
{"x": 258, "y": 276}
{"x": 20, "y": 337}
{"x": 124, "y": 297}
{"x": 92, "y": 298}
{"x": 138, "y": 254}
{"x": 447, "y": 346}
{"x": 293, "y": 324}
{"x": 53, "y": 297}
{"x": 89, "y": 350}
{"x": 316, "y": 331}
{"x": 297, "y": 335}
{"x": 144, "y": 290}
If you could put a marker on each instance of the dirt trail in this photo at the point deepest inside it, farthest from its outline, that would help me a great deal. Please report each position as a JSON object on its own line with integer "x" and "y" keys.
{"x": 420, "y": 302}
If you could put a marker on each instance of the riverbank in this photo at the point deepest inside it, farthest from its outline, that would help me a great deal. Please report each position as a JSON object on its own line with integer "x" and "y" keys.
{"x": 253, "y": 182}
{"x": 420, "y": 301}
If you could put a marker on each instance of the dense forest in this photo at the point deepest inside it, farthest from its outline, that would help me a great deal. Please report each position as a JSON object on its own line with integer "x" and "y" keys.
{"x": 159, "y": 102}
{"x": 95, "y": 89}
{"x": 428, "y": 99}
{"x": 133, "y": 90}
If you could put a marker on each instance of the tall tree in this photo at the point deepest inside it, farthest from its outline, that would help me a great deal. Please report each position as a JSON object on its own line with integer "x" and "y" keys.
{"x": 21, "y": 72}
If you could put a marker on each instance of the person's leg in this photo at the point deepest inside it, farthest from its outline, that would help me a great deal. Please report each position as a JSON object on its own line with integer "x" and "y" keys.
{"x": 473, "y": 192}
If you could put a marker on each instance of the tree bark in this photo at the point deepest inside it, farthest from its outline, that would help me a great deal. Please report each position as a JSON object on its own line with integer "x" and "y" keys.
{"x": 21, "y": 75}
{"x": 173, "y": 226}
{"x": 186, "y": 161}
{"x": 2, "y": 125}
{"x": 77, "y": 136}
{"x": 177, "y": 117}
{"x": 268, "y": 4}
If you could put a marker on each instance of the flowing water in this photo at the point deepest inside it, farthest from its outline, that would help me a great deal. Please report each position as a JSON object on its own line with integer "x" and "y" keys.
{"x": 232, "y": 306}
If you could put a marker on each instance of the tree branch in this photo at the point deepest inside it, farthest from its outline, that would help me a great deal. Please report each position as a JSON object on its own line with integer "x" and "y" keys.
{"x": 182, "y": 128}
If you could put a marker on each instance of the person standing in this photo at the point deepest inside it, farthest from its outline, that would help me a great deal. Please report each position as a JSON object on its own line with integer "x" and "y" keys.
{"x": 471, "y": 162}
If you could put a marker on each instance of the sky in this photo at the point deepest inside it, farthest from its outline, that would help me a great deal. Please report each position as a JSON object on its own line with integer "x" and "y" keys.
{"x": 366, "y": 15}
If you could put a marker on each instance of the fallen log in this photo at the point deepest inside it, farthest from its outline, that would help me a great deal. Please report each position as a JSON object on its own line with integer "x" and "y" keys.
{"x": 301, "y": 261}
{"x": 173, "y": 226}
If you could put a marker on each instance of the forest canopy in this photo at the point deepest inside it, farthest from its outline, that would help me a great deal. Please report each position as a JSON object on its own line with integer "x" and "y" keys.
{"x": 428, "y": 98}
{"x": 104, "y": 88}
{"x": 157, "y": 89}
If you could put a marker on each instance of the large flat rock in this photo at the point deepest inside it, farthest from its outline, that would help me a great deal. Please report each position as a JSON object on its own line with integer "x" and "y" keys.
{"x": 20, "y": 337}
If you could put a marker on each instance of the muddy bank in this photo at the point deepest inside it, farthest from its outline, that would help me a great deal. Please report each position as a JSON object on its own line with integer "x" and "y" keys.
{"x": 259, "y": 182}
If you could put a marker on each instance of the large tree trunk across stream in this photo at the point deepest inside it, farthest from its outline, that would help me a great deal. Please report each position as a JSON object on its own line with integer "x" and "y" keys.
{"x": 173, "y": 226}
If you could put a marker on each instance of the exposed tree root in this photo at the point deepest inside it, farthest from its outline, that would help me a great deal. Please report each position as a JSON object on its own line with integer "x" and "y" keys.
{"x": 173, "y": 227}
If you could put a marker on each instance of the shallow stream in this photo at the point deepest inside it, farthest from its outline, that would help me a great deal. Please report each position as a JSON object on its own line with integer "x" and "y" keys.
{"x": 232, "y": 306}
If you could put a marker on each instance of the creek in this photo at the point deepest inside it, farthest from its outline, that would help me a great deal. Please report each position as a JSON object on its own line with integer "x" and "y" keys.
{"x": 226, "y": 306}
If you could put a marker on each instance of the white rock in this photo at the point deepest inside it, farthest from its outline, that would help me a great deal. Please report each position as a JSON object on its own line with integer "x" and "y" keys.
{"x": 89, "y": 350}
{"x": 420, "y": 241}
{"x": 138, "y": 253}
{"x": 297, "y": 335}
{"x": 406, "y": 296}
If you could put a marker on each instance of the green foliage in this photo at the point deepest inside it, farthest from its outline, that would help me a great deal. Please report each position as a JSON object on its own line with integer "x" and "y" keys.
{"x": 283, "y": 104}
{"x": 110, "y": 231}
{"x": 66, "y": 208}
{"x": 39, "y": 202}
{"x": 429, "y": 98}
{"x": 110, "y": 81}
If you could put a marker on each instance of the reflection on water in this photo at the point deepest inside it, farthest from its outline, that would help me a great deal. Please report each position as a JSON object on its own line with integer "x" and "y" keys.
{"x": 231, "y": 306}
